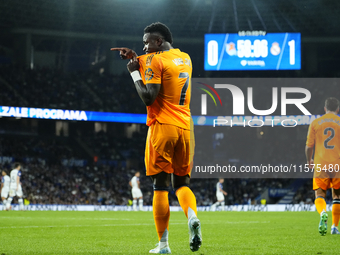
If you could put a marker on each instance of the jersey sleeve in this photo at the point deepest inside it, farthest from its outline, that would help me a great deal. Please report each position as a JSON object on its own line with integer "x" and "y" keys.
{"x": 153, "y": 70}
{"x": 2, "y": 179}
{"x": 19, "y": 173}
{"x": 311, "y": 136}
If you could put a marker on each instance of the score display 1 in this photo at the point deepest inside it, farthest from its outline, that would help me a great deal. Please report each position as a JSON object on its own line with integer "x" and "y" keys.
{"x": 273, "y": 51}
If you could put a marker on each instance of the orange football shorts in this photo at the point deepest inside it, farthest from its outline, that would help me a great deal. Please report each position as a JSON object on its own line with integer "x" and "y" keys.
{"x": 326, "y": 179}
{"x": 169, "y": 149}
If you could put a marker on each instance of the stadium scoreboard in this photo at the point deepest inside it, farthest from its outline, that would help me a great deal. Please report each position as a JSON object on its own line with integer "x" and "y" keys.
{"x": 268, "y": 51}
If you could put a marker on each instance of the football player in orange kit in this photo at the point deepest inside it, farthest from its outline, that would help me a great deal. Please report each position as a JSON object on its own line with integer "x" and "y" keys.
{"x": 162, "y": 79}
{"x": 324, "y": 134}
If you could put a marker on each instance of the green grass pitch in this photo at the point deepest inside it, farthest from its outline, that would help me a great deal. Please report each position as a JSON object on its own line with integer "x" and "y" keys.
{"x": 134, "y": 233}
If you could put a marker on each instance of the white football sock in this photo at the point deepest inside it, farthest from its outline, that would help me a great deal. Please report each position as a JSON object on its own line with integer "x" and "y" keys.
{"x": 216, "y": 204}
{"x": 222, "y": 204}
{"x": 164, "y": 239}
{"x": 9, "y": 201}
{"x": 140, "y": 202}
{"x": 191, "y": 213}
{"x": 21, "y": 204}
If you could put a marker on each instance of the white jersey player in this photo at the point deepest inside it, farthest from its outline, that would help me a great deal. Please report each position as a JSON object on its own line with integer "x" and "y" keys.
{"x": 5, "y": 183}
{"x": 136, "y": 192}
{"x": 15, "y": 187}
{"x": 220, "y": 193}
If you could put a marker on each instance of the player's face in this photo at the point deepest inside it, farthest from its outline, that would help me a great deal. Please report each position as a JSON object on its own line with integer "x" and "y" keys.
{"x": 3, "y": 173}
{"x": 221, "y": 180}
{"x": 137, "y": 174}
{"x": 151, "y": 43}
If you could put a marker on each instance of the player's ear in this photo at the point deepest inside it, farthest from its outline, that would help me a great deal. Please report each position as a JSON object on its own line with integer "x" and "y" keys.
{"x": 159, "y": 41}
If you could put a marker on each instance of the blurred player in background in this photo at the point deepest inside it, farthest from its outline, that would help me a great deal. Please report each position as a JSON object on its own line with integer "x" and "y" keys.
{"x": 136, "y": 192}
{"x": 324, "y": 134}
{"x": 5, "y": 183}
{"x": 220, "y": 193}
{"x": 15, "y": 187}
{"x": 165, "y": 88}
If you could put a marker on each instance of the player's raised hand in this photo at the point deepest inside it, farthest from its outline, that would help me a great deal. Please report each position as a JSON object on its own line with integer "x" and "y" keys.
{"x": 125, "y": 53}
{"x": 133, "y": 65}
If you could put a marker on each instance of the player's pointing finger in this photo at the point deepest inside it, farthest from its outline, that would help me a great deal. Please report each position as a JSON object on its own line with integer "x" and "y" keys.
{"x": 117, "y": 49}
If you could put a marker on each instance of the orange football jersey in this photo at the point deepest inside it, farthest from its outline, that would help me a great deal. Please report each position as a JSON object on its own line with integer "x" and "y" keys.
{"x": 324, "y": 133}
{"x": 172, "y": 69}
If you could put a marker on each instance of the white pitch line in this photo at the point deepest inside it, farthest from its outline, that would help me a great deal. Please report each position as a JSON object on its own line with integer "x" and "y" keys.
{"x": 135, "y": 224}
{"x": 48, "y": 218}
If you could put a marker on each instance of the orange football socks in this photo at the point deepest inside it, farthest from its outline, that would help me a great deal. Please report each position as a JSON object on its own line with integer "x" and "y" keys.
{"x": 161, "y": 214}
{"x": 336, "y": 212}
{"x": 187, "y": 200}
{"x": 320, "y": 204}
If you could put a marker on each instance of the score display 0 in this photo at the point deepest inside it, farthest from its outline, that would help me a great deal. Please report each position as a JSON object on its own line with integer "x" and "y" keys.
{"x": 273, "y": 51}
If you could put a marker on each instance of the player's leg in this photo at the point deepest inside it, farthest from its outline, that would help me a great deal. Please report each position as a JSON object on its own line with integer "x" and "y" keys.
{"x": 4, "y": 200}
{"x": 159, "y": 149}
{"x": 335, "y": 211}
{"x": 21, "y": 203}
{"x": 220, "y": 200}
{"x": 20, "y": 200}
{"x": 222, "y": 205}
{"x": 140, "y": 203}
{"x": 10, "y": 199}
{"x": 182, "y": 164}
{"x": 187, "y": 201}
{"x": 216, "y": 204}
{"x": 134, "y": 199}
{"x": 4, "y": 195}
{"x": 134, "y": 204}
{"x": 320, "y": 187}
{"x": 161, "y": 210}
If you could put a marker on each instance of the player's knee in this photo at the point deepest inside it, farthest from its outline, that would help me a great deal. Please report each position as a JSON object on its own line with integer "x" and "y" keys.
{"x": 161, "y": 181}
{"x": 180, "y": 181}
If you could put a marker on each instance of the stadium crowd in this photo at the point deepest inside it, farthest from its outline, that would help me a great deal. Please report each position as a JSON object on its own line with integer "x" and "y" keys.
{"x": 52, "y": 88}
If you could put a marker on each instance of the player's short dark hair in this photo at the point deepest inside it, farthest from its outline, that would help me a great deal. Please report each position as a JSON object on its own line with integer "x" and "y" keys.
{"x": 332, "y": 104}
{"x": 16, "y": 164}
{"x": 160, "y": 28}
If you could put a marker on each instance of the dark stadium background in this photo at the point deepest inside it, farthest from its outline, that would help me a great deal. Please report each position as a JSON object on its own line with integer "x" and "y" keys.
{"x": 56, "y": 54}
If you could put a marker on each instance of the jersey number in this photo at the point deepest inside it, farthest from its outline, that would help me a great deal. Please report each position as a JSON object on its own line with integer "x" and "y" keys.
{"x": 325, "y": 132}
{"x": 185, "y": 87}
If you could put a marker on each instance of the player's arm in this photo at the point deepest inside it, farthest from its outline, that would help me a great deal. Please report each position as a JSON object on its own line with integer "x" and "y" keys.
{"x": 130, "y": 183}
{"x": 2, "y": 183}
{"x": 225, "y": 193}
{"x": 309, "y": 149}
{"x": 309, "y": 153}
{"x": 138, "y": 182}
{"x": 148, "y": 92}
